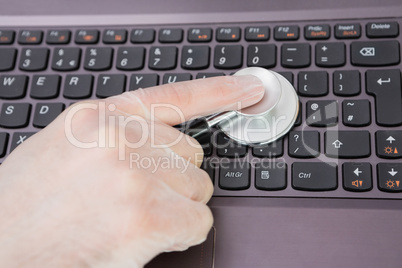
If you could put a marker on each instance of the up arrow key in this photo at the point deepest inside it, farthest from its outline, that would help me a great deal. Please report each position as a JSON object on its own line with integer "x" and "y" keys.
{"x": 391, "y": 139}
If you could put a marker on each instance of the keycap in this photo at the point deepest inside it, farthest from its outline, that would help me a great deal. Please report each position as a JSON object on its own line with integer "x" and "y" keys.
{"x": 13, "y": 86}
{"x": 356, "y": 113}
{"x": 142, "y": 36}
{"x": 271, "y": 150}
{"x": 322, "y": 113}
{"x": 130, "y": 58}
{"x": 385, "y": 85}
{"x": 228, "y": 148}
{"x": 110, "y": 85}
{"x": 98, "y": 59}
{"x": 210, "y": 167}
{"x": 45, "y": 113}
{"x": 382, "y": 29}
{"x": 195, "y": 57}
{"x": 389, "y": 143}
{"x": 234, "y": 175}
{"x": 45, "y": 86}
{"x": 4, "y": 136}
{"x": 347, "y": 31}
{"x": 78, "y": 86}
{"x": 206, "y": 75}
{"x": 295, "y": 55}
{"x": 19, "y": 138}
{"x": 86, "y": 36}
{"x": 162, "y": 58}
{"x": 389, "y": 177}
{"x": 283, "y": 33}
{"x": 170, "y": 35}
{"x": 7, "y": 56}
{"x": 347, "y": 144}
{"x": 256, "y": 33}
{"x": 30, "y": 37}
{"x": 34, "y": 59}
{"x": 316, "y": 31}
{"x": 288, "y": 76}
{"x": 261, "y": 56}
{"x": 330, "y": 54}
{"x": 304, "y": 144}
{"x": 58, "y": 37}
{"x": 313, "y": 84}
{"x": 15, "y": 115}
{"x": 173, "y": 78}
{"x": 346, "y": 83}
{"x": 314, "y": 176}
{"x": 66, "y": 59}
{"x": 143, "y": 81}
{"x": 228, "y": 56}
{"x": 114, "y": 36}
{"x": 299, "y": 119}
{"x": 270, "y": 176}
{"x": 357, "y": 177}
{"x": 375, "y": 53}
{"x": 195, "y": 35}
{"x": 6, "y": 37}
{"x": 228, "y": 34}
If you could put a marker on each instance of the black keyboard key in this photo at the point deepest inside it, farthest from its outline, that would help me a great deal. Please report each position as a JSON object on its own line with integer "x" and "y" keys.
{"x": 206, "y": 75}
{"x": 210, "y": 167}
{"x": 114, "y": 36}
{"x": 356, "y": 113}
{"x": 170, "y": 35}
{"x": 322, "y": 113}
{"x": 98, "y": 59}
{"x": 15, "y": 115}
{"x": 45, "y": 113}
{"x": 45, "y": 86}
{"x": 173, "y": 78}
{"x": 385, "y": 85}
{"x": 288, "y": 76}
{"x": 234, "y": 175}
{"x": 347, "y": 31}
{"x": 375, "y": 53}
{"x": 304, "y": 144}
{"x": 13, "y": 86}
{"x": 271, "y": 150}
{"x": 389, "y": 143}
{"x": 110, "y": 85}
{"x": 19, "y": 138}
{"x": 162, "y": 58}
{"x": 228, "y": 148}
{"x": 312, "y": 176}
{"x": 261, "y": 56}
{"x": 357, "y": 177}
{"x": 87, "y": 36}
{"x": 270, "y": 176}
{"x": 313, "y": 84}
{"x": 3, "y": 143}
{"x": 382, "y": 29}
{"x": 142, "y": 36}
{"x": 295, "y": 55}
{"x": 285, "y": 33}
{"x": 256, "y": 33}
{"x": 195, "y": 57}
{"x": 60, "y": 37}
{"x": 6, "y": 37}
{"x": 66, "y": 59}
{"x": 228, "y": 57}
{"x": 30, "y": 37}
{"x": 228, "y": 34}
{"x": 130, "y": 58}
{"x": 347, "y": 144}
{"x": 346, "y": 83}
{"x": 34, "y": 59}
{"x": 330, "y": 54}
{"x": 7, "y": 56}
{"x": 78, "y": 86}
{"x": 138, "y": 81}
{"x": 299, "y": 119}
{"x": 317, "y": 31}
{"x": 195, "y": 35}
{"x": 389, "y": 177}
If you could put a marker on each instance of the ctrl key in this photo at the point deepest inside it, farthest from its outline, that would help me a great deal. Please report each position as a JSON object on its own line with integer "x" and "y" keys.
{"x": 315, "y": 176}
{"x": 234, "y": 175}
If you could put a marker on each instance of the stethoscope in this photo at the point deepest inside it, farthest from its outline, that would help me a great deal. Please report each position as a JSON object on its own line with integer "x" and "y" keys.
{"x": 264, "y": 122}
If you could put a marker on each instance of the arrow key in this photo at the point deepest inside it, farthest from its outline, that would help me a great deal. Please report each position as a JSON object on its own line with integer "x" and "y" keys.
{"x": 357, "y": 177}
{"x": 389, "y": 144}
{"x": 389, "y": 177}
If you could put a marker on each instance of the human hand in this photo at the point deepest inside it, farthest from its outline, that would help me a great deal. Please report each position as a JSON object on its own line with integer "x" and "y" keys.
{"x": 81, "y": 192}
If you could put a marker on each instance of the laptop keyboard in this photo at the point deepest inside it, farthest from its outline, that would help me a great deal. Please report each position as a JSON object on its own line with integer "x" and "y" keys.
{"x": 347, "y": 140}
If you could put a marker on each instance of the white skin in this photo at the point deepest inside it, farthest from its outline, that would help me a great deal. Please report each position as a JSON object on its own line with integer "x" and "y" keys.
{"x": 66, "y": 206}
